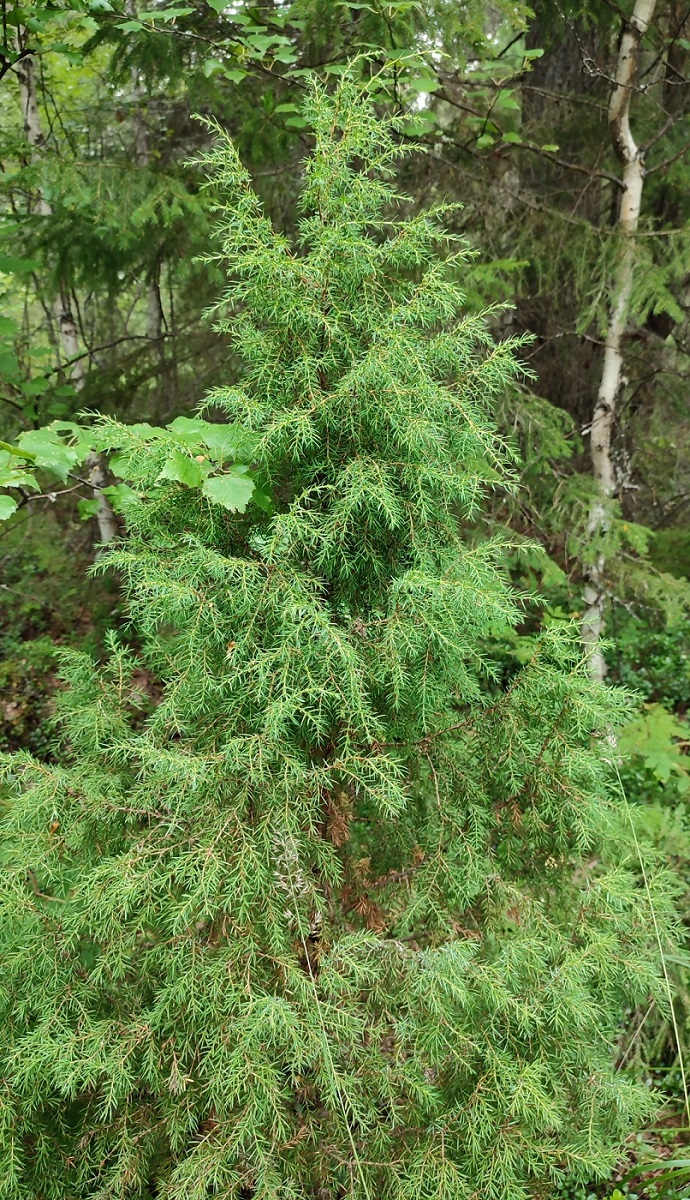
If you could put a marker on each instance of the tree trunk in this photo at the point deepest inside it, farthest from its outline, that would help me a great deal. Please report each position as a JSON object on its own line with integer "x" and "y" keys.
{"x": 154, "y": 305}
{"x": 612, "y": 378}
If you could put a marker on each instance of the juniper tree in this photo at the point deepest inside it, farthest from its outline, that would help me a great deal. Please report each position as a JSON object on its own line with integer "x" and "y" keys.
{"x": 307, "y": 908}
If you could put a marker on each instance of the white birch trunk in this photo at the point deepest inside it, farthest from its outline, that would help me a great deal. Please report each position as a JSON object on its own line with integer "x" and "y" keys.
{"x": 69, "y": 334}
{"x": 612, "y": 377}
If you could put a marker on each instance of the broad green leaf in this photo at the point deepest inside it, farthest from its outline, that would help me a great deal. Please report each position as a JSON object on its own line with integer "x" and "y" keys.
{"x": 121, "y": 496}
{"x": 426, "y": 84}
{"x": 183, "y": 469}
{"x": 163, "y": 14}
{"x": 228, "y": 441}
{"x": 35, "y": 387}
{"x": 7, "y": 507}
{"x": 262, "y": 43}
{"x": 119, "y": 464}
{"x": 232, "y": 491}
{"x": 143, "y": 429}
{"x": 188, "y": 429}
{"x": 79, "y": 438}
{"x": 51, "y": 454}
{"x": 505, "y": 99}
{"x": 262, "y": 499}
{"x": 10, "y": 477}
{"x": 285, "y": 54}
{"x": 88, "y": 508}
{"x": 421, "y": 123}
{"x": 8, "y": 449}
{"x": 212, "y": 66}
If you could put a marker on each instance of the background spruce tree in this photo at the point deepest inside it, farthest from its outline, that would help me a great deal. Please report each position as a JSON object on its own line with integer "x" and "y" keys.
{"x": 313, "y": 910}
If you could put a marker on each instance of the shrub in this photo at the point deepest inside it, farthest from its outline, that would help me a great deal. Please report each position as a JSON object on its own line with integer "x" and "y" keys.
{"x": 332, "y": 918}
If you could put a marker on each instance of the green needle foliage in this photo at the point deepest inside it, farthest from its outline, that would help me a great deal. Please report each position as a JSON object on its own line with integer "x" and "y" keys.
{"x": 314, "y": 909}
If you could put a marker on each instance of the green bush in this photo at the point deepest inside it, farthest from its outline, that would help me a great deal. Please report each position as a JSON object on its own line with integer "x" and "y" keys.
{"x": 45, "y": 601}
{"x": 332, "y": 918}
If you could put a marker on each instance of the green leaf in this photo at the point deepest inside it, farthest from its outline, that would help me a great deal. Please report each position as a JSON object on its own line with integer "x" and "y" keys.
{"x": 505, "y": 99}
{"x": 164, "y": 14}
{"x": 51, "y": 454}
{"x": 425, "y": 84}
{"x": 7, "y": 507}
{"x": 16, "y": 478}
{"x": 36, "y": 386}
{"x": 183, "y": 469}
{"x": 121, "y": 496}
{"x": 228, "y": 441}
{"x": 421, "y": 123}
{"x": 212, "y": 66}
{"x": 512, "y": 137}
{"x": 262, "y": 499}
{"x": 484, "y": 141}
{"x": 188, "y": 429}
{"x": 88, "y": 508}
{"x": 143, "y": 429}
{"x": 232, "y": 491}
{"x": 8, "y": 449}
{"x": 550, "y": 148}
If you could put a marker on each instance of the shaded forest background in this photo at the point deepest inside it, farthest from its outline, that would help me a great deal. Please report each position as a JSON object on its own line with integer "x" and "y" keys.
{"x": 104, "y": 229}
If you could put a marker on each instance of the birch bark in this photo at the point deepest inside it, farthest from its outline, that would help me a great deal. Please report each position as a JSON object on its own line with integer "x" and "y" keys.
{"x": 612, "y": 376}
